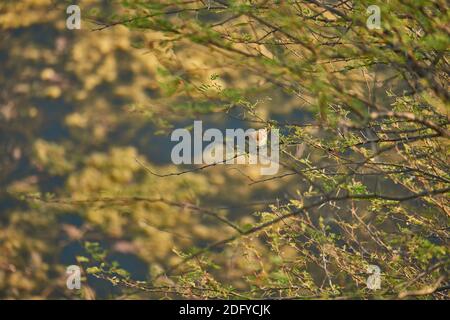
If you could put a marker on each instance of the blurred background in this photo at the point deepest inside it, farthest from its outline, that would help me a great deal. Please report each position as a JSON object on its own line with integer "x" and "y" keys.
{"x": 77, "y": 107}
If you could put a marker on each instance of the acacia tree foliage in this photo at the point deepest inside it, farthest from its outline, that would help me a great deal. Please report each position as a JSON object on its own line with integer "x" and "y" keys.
{"x": 371, "y": 167}
{"x": 364, "y": 154}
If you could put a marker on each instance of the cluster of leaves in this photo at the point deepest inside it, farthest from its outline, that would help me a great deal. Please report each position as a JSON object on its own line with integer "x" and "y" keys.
{"x": 371, "y": 171}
